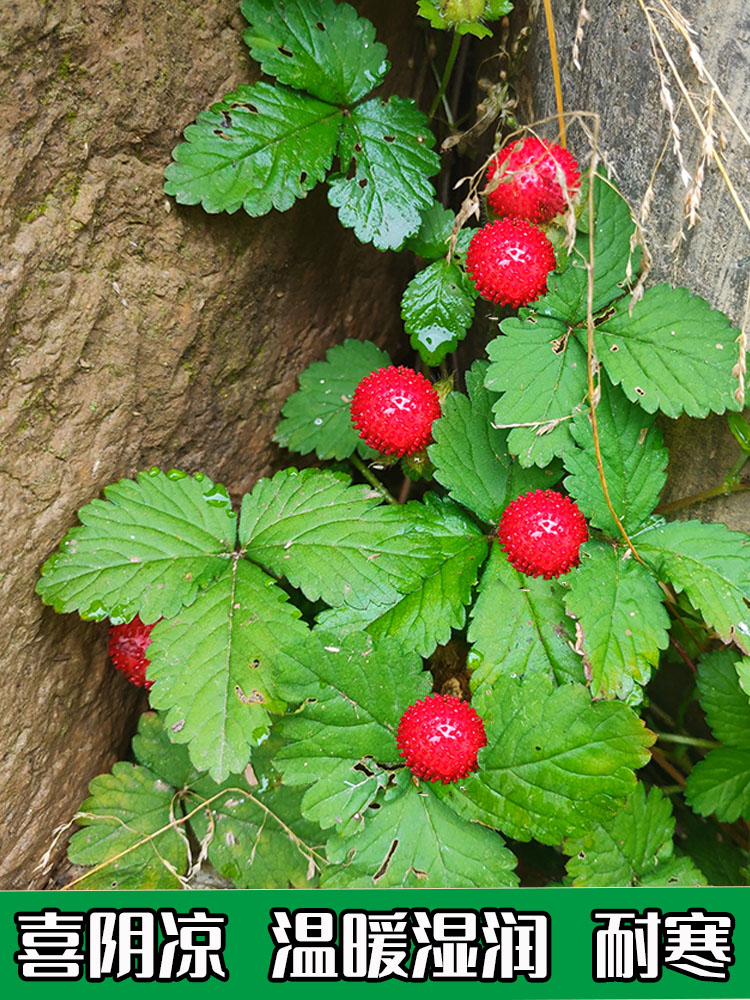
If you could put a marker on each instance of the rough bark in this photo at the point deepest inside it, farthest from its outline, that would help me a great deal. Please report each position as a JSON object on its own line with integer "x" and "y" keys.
{"x": 134, "y": 333}
{"x": 619, "y": 81}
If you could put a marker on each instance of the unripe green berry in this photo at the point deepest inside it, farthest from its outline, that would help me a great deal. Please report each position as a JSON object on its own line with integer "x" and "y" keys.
{"x": 462, "y": 10}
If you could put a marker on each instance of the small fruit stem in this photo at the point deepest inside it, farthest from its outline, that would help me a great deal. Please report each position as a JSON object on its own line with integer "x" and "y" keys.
{"x": 690, "y": 741}
{"x": 665, "y": 765}
{"x": 372, "y": 479}
{"x": 590, "y": 352}
{"x": 555, "y": 69}
{"x": 455, "y": 44}
{"x": 723, "y": 489}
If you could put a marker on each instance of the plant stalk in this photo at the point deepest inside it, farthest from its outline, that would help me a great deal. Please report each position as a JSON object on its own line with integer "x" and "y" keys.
{"x": 372, "y": 479}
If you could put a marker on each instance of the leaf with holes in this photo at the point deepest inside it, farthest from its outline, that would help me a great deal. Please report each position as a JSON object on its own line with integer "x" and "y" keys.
{"x": 437, "y": 309}
{"x": 567, "y": 294}
{"x": 262, "y": 147}
{"x": 424, "y": 617}
{"x": 471, "y": 456}
{"x": 634, "y": 462}
{"x": 346, "y": 729}
{"x": 623, "y": 624}
{"x": 634, "y": 847}
{"x": 335, "y": 541}
{"x": 322, "y": 47}
{"x": 213, "y": 666}
{"x": 711, "y": 564}
{"x": 317, "y": 417}
{"x": 555, "y": 763}
{"x": 414, "y": 840}
{"x": 672, "y": 353}
{"x": 541, "y": 372}
{"x": 386, "y": 157}
{"x": 147, "y": 549}
{"x": 518, "y": 626}
{"x": 720, "y": 783}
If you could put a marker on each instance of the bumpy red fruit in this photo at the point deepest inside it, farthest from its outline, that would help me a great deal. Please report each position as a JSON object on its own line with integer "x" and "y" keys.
{"x": 529, "y": 174}
{"x": 439, "y": 737}
{"x": 509, "y": 260}
{"x": 394, "y": 409}
{"x": 542, "y": 533}
{"x": 127, "y": 650}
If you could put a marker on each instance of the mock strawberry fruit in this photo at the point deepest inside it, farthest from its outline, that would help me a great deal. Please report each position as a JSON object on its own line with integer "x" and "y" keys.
{"x": 542, "y": 533}
{"x": 530, "y": 178}
{"x": 439, "y": 737}
{"x": 127, "y": 650}
{"x": 509, "y": 260}
{"x": 394, "y": 409}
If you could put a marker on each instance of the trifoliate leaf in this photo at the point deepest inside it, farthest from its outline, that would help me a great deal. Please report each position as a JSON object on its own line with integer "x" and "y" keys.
{"x": 633, "y": 847}
{"x": 437, "y": 309}
{"x": 347, "y": 726}
{"x": 131, "y": 806}
{"x": 518, "y": 626}
{"x": 541, "y": 371}
{"x": 555, "y": 763}
{"x": 431, "y": 239}
{"x": 567, "y": 296}
{"x": 416, "y": 841}
{"x": 424, "y": 618}
{"x": 471, "y": 456}
{"x": 262, "y": 147}
{"x": 633, "y": 459}
{"x": 335, "y": 541}
{"x": 720, "y": 783}
{"x": 146, "y": 549}
{"x": 317, "y": 417}
{"x": 711, "y": 564}
{"x": 386, "y": 159}
{"x": 213, "y": 666}
{"x": 321, "y": 47}
{"x": 671, "y": 352}
{"x": 621, "y": 619}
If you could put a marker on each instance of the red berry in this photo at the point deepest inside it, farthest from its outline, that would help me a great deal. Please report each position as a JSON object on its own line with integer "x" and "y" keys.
{"x": 440, "y": 736}
{"x": 127, "y": 650}
{"x": 509, "y": 260}
{"x": 530, "y": 174}
{"x": 393, "y": 409}
{"x": 542, "y": 533}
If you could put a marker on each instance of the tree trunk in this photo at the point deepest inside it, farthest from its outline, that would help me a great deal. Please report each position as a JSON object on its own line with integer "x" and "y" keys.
{"x": 619, "y": 81}
{"x": 135, "y": 333}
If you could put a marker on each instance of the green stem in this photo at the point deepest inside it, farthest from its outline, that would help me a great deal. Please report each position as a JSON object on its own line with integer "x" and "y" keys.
{"x": 691, "y": 741}
{"x": 723, "y": 489}
{"x": 372, "y": 479}
{"x": 455, "y": 44}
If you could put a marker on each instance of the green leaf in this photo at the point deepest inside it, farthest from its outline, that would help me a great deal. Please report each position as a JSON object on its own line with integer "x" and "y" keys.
{"x": 568, "y": 289}
{"x": 633, "y": 458}
{"x": 213, "y": 667}
{"x": 416, "y": 841}
{"x": 153, "y": 748}
{"x": 437, "y": 309}
{"x": 712, "y": 852}
{"x": 262, "y": 147}
{"x": 518, "y": 626}
{"x": 124, "y": 808}
{"x": 622, "y": 622}
{"x": 673, "y": 352}
{"x": 316, "y": 417}
{"x": 322, "y": 47}
{"x": 471, "y": 456}
{"x": 424, "y": 618}
{"x": 386, "y": 159}
{"x": 347, "y": 726}
{"x": 720, "y": 783}
{"x": 743, "y": 673}
{"x": 431, "y": 239}
{"x": 541, "y": 371}
{"x": 711, "y": 564}
{"x": 634, "y": 847}
{"x": 335, "y": 541}
{"x": 555, "y": 763}
{"x": 147, "y": 549}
